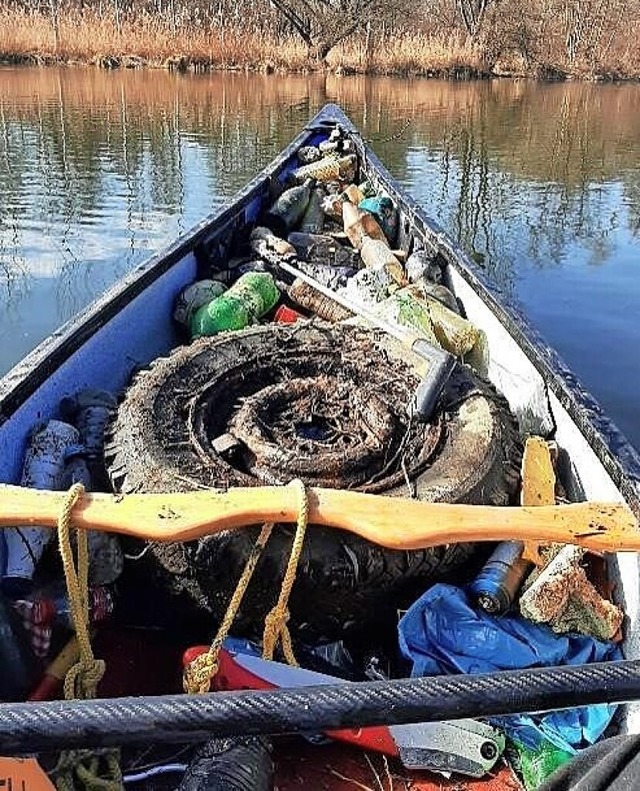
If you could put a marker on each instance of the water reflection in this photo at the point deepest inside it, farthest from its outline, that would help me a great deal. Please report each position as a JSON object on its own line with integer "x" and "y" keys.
{"x": 539, "y": 183}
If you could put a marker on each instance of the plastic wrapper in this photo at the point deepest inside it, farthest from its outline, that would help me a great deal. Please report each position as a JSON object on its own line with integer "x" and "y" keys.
{"x": 441, "y": 633}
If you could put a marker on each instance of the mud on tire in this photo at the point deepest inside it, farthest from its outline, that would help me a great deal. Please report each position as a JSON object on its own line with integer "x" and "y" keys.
{"x": 327, "y": 404}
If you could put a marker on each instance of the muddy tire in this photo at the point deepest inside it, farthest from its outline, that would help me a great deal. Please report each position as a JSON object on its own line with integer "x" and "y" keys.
{"x": 360, "y": 438}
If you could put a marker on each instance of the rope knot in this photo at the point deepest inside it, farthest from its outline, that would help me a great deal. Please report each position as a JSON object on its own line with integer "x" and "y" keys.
{"x": 82, "y": 679}
{"x": 275, "y": 628}
{"x": 198, "y": 674}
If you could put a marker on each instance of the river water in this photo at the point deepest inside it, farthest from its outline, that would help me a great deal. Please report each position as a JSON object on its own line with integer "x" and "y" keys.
{"x": 539, "y": 183}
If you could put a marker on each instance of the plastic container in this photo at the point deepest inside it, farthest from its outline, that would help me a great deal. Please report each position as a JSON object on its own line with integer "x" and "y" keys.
{"x": 43, "y": 469}
{"x": 286, "y": 315}
{"x": 324, "y": 250}
{"x": 249, "y": 298}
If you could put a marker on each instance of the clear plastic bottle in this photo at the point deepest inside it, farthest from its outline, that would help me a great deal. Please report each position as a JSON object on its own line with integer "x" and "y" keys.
{"x": 249, "y": 298}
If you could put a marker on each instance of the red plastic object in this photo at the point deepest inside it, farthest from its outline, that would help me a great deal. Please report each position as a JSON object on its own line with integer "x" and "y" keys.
{"x": 231, "y": 675}
{"x": 285, "y": 315}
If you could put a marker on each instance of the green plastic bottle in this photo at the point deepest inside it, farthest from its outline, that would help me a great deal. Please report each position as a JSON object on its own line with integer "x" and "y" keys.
{"x": 250, "y": 297}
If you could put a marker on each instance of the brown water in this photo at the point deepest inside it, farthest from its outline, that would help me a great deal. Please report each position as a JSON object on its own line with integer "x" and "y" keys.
{"x": 540, "y": 183}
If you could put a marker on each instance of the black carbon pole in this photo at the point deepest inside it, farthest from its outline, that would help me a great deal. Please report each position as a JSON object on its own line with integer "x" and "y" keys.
{"x": 33, "y": 727}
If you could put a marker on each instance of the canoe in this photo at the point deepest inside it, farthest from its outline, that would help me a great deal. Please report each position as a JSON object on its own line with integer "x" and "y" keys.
{"x": 521, "y": 384}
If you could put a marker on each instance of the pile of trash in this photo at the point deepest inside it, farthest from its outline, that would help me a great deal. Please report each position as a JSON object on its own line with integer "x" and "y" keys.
{"x": 331, "y": 245}
{"x": 338, "y": 236}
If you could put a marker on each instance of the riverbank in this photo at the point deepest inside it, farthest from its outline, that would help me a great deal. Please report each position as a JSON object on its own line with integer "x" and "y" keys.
{"x": 31, "y": 37}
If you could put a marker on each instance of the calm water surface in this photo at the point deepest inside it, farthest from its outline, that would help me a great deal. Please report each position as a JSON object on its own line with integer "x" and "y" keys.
{"x": 540, "y": 184}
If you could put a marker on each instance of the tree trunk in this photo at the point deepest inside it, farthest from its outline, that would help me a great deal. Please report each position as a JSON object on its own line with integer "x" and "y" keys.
{"x": 53, "y": 10}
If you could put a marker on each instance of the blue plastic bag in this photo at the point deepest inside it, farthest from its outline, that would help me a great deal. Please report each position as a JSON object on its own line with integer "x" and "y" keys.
{"x": 441, "y": 633}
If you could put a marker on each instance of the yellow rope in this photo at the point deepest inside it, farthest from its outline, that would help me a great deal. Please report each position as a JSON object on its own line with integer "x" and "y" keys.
{"x": 83, "y": 678}
{"x": 275, "y": 624}
{"x": 201, "y": 670}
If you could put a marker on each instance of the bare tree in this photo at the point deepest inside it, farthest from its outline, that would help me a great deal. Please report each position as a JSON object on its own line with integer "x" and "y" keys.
{"x": 472, "y": 13}
{"x": 324, "y": 23}
{"x": 53, "y": 14}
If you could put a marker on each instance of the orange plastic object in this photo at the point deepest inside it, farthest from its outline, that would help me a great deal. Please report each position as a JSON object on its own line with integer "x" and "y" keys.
{"x": 23, "y": 774}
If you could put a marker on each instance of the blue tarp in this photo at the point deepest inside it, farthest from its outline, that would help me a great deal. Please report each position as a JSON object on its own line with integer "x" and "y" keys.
{"x": 442, "y": 633}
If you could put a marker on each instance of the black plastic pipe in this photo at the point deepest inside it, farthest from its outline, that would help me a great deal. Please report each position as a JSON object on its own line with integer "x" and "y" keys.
{"x": 32, "y": 727}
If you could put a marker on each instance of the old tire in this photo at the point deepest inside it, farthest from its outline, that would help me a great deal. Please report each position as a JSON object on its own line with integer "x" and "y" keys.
{"x": 161, "y": 442}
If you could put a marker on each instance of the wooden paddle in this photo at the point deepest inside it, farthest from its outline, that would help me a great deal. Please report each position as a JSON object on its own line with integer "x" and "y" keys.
{"x": 392, "y": 522}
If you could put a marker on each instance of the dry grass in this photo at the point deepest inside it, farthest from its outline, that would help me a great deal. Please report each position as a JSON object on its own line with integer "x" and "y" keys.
{"x": 146, "y": 39}
{"x": 89, "y": 38}
{"x": 410, "y": 54}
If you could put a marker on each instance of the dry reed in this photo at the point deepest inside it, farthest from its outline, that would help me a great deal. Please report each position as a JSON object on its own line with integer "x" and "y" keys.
{"x": 145, "y": 38}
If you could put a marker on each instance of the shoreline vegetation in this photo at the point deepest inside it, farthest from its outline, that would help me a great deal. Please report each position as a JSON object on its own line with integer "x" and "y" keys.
{"x": 542, "y": 39}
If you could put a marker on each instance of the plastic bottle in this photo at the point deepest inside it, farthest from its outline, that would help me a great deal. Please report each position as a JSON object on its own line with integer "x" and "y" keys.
{"x": 377, "y": 255}
{"x": 43, "y": 469}
{"x": 263, "y": 241}
{"x": 194, "y": 297}
{"x": 313, "y": 217}
{"x": 497, "y": 585}
{"x": 289, "y": 208}
{"x": 359, "y": 224}
{"x": 353, "y": 194}
{"x": 385, "y": 213}
{"x": 106, "y": 560}
{"x": 435, "y": 322}
{"x": 421, "y": 264}
{"x": 328, "y": 169}
{"x": 90, "y": 411}
{"x": 307, "y": 297}
{"x": 308, "y": 154}
{"x": 425, "y": 288}
{"x": 368, "y": 287}
{"x": 249, "y": 298}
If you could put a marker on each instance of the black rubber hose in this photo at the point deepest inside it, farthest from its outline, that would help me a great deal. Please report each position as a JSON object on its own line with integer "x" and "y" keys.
{"x": 33, "y": 727}
{"x": 241, "y": 764}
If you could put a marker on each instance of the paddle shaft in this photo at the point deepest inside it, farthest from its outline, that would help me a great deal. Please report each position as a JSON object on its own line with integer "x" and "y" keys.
{"x": 392, "y": 522}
